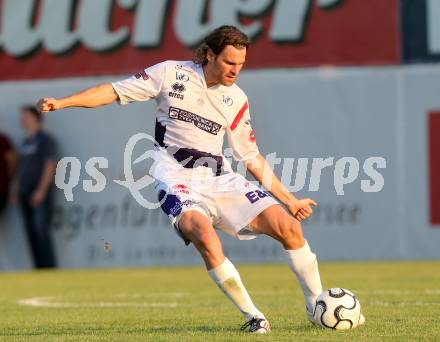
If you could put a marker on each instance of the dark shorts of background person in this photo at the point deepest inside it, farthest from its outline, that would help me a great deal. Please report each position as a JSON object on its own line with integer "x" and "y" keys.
{"x": 37, "y": 221}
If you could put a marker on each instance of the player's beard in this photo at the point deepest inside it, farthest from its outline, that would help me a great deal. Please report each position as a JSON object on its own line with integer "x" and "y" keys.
{"x": 228, "y": 81}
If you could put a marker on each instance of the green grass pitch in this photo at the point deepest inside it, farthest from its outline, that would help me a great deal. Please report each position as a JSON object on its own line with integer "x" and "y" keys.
{"x": 401, "y": 301}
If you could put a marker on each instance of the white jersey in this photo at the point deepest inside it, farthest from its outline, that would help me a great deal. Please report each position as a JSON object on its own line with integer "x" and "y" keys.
{"x": 195, "y": 118}
{"x": 189, "y": 114}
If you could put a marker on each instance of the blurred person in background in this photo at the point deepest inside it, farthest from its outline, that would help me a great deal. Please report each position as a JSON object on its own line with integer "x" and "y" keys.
{"x": 33, "y": 189}
{"x": 8, "y": 161}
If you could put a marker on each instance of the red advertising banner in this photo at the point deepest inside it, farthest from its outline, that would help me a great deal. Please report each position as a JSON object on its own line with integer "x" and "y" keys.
{"x": 434, "y": 166}
{"x": 72, "y": 38}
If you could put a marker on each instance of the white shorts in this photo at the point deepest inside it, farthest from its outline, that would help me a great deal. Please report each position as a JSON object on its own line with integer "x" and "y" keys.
{"x": 229, "y": 201}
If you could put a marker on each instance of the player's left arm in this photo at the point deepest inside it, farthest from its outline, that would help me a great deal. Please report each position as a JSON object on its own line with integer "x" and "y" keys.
{"x": 242, "y": 139}
{"x": 301, "y": 209}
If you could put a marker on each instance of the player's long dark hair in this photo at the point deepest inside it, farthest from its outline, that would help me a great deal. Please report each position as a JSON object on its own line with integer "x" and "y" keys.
{"x": 218, "y": 39}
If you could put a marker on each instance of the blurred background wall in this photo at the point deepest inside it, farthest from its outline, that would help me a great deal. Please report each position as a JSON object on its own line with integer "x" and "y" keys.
{"x": 325, "y": 78}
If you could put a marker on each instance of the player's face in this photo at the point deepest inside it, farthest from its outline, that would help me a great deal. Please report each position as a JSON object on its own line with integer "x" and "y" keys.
{"x": 227, "y": 65}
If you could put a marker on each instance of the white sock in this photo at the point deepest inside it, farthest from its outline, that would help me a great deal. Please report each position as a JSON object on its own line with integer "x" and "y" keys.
{"x": 228, "y": 280}
{"x": 305, "y": 266}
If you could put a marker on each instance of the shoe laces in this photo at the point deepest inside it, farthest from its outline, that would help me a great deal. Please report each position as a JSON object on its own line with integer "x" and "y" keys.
{"x": 252, "y": 324}
{"x": 248, "y": 324}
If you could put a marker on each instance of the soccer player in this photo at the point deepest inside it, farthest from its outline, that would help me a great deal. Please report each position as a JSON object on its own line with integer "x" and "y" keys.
{"x": 198, "y": 103}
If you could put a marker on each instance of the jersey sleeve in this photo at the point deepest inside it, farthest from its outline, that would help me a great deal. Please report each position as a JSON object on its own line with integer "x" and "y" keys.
{"x": 142, "y": 86}
{"x": 241, "y": 136}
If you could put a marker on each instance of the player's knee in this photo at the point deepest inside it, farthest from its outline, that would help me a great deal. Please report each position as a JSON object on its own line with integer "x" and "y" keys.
{"x": 190, "y": 222}
{"x": 185, "y": 222}
{"x": 200, "y": 232}
{"x": 205, "y": 237}
{"x": 291, "y": 235}
{"x": 197, "y": 228}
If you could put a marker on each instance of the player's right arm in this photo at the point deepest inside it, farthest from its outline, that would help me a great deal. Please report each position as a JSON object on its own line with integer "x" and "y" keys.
{"x": 100, "y": 95}
{"x": 142, "y": 86}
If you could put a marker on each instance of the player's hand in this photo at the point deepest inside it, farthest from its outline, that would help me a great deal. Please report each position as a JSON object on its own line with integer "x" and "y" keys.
{"x": 48, "y": 104}
{"x": 302, "y": 209}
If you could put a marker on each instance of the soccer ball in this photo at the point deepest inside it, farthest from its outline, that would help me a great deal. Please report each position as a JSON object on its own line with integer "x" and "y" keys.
{"x": 337, "y": 309}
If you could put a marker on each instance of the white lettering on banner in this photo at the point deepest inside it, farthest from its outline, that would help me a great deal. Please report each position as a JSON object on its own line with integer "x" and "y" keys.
{"x": 188, "y": 22}
{"x": 288, "y": 10}
{"x": 59, "y": 39}
{"x": 93, "y": 24}
{"x": 18, "y": 37}
{"x": 149, "y": 22}
{"x": 433, "y": 25}
{"x": 296, "y": 13}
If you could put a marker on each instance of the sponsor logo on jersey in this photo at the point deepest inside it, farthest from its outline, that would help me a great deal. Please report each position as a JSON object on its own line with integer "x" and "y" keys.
{"x": 202, "y": 123}
{"x": 228, "y": 101}
{"x": 200, "y": 102}
{"x": 180, "y": 76}
{"x": 180, "y": 188}
{"x": 254, "y": 196}
{"x": 172, "y": 206}
{"x": 142, "y": 74}
{"x": 175, "y": 95}
{"x": 178, "y": 89}
{"x": 188, "y": 203}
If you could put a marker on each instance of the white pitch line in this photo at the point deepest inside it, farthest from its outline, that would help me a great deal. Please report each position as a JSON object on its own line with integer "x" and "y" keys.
{"x": 432, "y": 292}
{"x": 47, "y": 302}
{"x": 149, "y": 295}
{"x": 416, "y": 303}
{"x": 428, "y": 292}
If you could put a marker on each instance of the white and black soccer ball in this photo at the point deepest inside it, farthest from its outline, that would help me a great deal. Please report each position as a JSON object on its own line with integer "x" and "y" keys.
{"x": 338, "y": 309}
